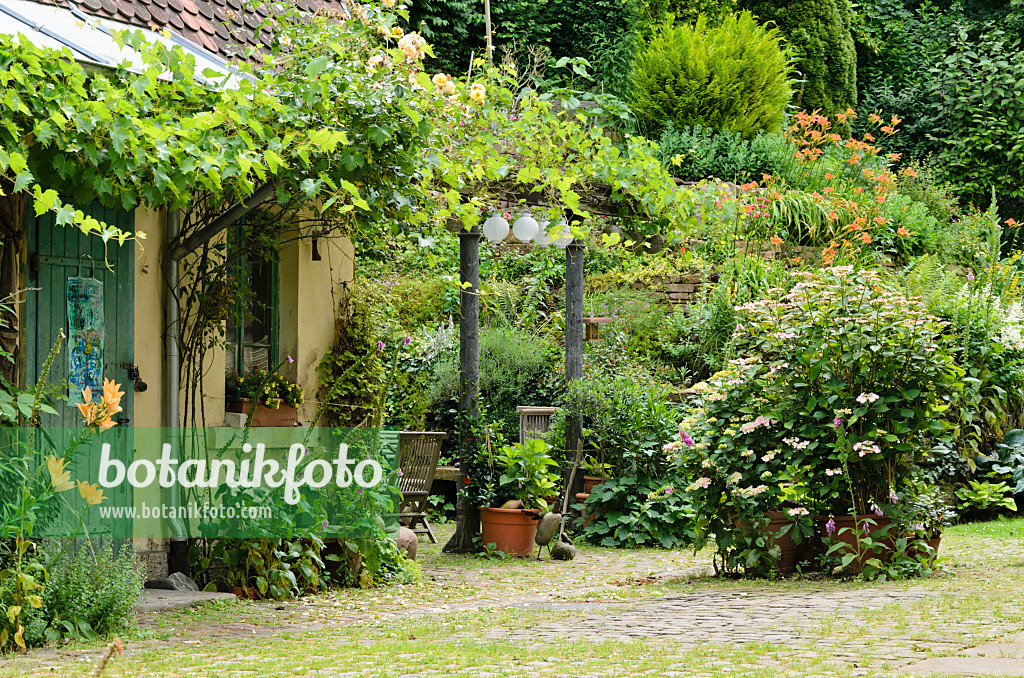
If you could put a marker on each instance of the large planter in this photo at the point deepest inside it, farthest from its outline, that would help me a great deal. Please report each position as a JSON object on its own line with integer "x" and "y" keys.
{"x": 856, "y": 525}
{"x": 590, "y": 482}
{"x": 282, "y": 415}
{"x": 791, "y": 553}
{"x": 510, "y": 530}
{"x": 934, "y": 544}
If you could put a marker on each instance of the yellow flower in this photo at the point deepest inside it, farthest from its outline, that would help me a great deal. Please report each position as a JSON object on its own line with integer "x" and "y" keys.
{"x": 59, "y": 478}
{"x": 389, "y": 3}
{"x": 477, "y": 92}
{"x": 413, "y": 46}
{"x": 92, "y": 494}
{"x": 397, "y": 32}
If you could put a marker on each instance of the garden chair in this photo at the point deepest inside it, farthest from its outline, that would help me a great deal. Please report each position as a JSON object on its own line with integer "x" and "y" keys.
{"x": 418, "y": 452}
{"x": 534, "y": 422}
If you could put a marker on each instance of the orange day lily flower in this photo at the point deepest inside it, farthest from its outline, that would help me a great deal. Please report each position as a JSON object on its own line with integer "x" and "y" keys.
{"x": 59, "y": 478}
{"x": 92, "y": 494}
{"x": 99, "y": 413}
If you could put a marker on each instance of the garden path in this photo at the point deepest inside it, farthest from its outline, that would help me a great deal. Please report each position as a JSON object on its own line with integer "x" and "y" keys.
{"x": 609, "y": 612}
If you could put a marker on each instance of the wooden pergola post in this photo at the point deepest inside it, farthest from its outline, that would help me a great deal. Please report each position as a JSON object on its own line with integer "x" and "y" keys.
{"x": 575, "y": 262}
{"x": 467, "y": 520}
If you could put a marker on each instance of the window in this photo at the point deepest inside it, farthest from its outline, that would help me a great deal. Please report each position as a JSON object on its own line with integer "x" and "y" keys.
{"x": 252, "y": 330}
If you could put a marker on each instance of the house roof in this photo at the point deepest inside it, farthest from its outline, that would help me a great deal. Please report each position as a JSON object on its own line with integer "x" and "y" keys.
{"x": 225, "y": 27}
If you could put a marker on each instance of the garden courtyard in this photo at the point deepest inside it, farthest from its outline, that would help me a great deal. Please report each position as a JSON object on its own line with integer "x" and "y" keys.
{"x": 319, "y": 320}
{"x": 608, "y": 612}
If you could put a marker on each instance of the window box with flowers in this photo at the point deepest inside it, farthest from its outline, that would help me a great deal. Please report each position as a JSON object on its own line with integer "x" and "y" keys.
{"x": 267, "y": 397}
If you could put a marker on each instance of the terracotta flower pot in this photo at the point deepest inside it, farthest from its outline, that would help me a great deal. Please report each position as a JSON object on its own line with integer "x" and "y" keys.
{"x": 510, "y": 530}
{"x": 855, "y": 525}
{"x": 791, "y": 552}
{"x": 590, "y": 482}
{"x": 282, "y": 415}
{"x": 934, "y": 544}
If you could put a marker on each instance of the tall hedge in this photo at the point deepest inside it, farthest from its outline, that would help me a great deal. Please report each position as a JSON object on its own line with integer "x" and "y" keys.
{"x": 818, "y": 33}
{"x": 733, "y": 76}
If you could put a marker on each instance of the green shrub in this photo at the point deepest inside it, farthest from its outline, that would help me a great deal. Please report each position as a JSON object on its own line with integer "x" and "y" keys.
{"x": 818, "y": 34}
{"x": 842, "y": 386}
{"x": 516, "y": 368}
{"x": 733, "y": 76}
{"x": 982, "y": 123}
{"x": 698, "y": 153}
{"x": 87, "y": 595}
{"x": 626, "y": 417}
{"x": 639, "y": 511}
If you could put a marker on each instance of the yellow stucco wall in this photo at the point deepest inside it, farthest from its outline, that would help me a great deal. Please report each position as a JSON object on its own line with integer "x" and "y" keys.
{"x": 307, "y": 304}
{"x": 150, "y": 355}
{"x": 307, "y": 299}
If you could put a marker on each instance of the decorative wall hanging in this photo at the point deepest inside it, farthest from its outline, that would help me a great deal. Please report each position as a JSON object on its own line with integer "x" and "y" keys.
{"x": 85, "y": 336}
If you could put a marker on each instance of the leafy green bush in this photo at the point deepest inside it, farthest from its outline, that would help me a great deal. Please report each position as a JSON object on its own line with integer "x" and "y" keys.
{"x": 698, "y": 153}
{"x": 985, "y": 497}
{"x": 628, "y": 419}
{"x": 516, "y": 368}
{"x": 87, "y": 596}
{"x": 638, "y": 511}
{"x": 837, "y": 394}
{"x": 733, "y": 76}
{"x": 982, "y": 118}
{"x": 818, "y": 33}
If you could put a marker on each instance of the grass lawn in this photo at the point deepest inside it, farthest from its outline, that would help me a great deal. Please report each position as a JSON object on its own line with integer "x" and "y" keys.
{"x": 608, "y": 613}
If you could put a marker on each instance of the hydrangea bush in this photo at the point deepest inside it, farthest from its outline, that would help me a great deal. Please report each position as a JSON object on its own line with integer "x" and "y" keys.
{"x": 844, "y": 383}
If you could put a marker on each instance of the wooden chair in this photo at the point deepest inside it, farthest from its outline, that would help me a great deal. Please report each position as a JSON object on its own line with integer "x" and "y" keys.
{"x": 418, "y": 452}
{"x": 534, "y": 422}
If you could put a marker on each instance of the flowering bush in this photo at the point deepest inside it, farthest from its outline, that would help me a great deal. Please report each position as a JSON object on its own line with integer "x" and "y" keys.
{"x": 844, "y": 383}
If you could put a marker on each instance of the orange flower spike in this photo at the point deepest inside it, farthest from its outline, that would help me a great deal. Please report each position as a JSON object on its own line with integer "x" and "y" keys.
{"x": 112, "y": 395}
{"x": 85, "y": 407}
{"x": 92, "y": 494}
{"x": 875, "y": 119}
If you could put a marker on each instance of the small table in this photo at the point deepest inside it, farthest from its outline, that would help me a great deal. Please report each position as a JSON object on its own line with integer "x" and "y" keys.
{"x": 449, "y": 473}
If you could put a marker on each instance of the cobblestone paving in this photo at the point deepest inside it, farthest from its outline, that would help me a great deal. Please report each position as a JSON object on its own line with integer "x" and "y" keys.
{"x": 740, "y": 617}
{"x": 635, "y": 599}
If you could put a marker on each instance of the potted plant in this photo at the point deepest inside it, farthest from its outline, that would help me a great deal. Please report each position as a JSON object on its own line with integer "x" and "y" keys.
{"x": 925, "y": 518}
{"x": 595, "y": 472}
{"x": 267, "y": 397}
{"x": 525, "y": 475}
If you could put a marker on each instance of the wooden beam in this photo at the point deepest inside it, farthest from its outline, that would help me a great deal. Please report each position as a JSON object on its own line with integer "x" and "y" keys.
{"x": 575, "y": 265}
{"x": 181, "y": 247}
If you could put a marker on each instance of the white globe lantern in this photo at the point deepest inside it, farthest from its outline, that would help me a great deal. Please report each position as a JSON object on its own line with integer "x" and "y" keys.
{"x": 565, "y": 235}
{"x": 542, "y": 239}
{"x": 495, "y": 228}
{"x": 525, "y": 228}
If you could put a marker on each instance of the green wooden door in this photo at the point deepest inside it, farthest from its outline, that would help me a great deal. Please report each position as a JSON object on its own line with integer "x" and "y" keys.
{"x": 55, "y": 255}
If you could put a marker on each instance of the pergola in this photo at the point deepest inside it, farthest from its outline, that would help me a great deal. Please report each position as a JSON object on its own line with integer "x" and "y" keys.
{"x": 600, "y": 201}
